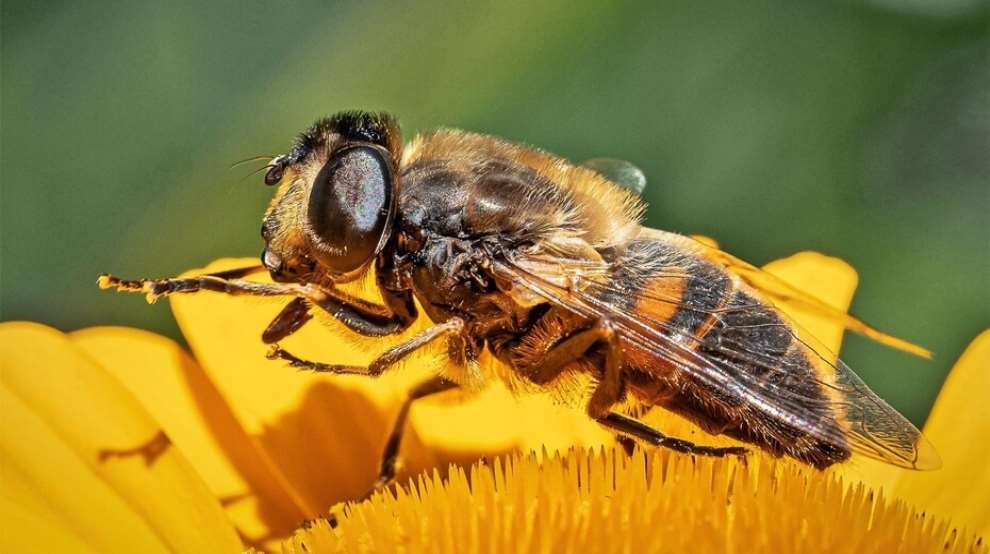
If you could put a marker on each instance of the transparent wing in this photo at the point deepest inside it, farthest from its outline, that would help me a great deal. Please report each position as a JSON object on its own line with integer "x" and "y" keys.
{"x": 778, "y": 390}
{"x": 620, "y": 172}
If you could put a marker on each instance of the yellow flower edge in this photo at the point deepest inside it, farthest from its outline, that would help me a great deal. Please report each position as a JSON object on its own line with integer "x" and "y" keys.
{"x": 604, "y": 501}
{"x": 959, "y": 426}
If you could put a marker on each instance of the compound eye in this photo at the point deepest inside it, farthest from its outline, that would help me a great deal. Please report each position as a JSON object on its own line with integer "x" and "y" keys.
{"x": 350, "y": 207}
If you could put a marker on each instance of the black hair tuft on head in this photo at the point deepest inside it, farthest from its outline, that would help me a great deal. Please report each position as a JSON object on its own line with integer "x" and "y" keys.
{"x": 379, "y": 128}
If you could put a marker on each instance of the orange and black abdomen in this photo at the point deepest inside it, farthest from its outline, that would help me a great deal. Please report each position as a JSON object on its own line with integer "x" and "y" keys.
{"x": 681, "y": 293}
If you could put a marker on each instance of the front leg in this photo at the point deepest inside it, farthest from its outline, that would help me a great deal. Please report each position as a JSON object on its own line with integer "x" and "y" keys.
{"x": 154, "y": 289}
{"x": 359, "y": 315}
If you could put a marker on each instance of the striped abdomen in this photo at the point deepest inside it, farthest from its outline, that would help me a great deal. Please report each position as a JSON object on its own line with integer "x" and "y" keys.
{"x": 670, "y": 286}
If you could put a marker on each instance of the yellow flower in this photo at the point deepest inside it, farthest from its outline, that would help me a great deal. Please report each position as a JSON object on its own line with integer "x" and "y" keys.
{"x": 116, "y": 439}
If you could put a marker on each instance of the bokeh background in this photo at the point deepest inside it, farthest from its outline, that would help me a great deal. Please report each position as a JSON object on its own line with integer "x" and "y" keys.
{"x": 857, "y": 128}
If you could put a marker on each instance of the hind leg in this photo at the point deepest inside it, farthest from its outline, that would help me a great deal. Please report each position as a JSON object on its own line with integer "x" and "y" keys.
{"x": 631, "y": 427}
{"x": 610, "y": 389}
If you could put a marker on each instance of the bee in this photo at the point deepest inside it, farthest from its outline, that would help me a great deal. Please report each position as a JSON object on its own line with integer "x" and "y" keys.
{"x": 546, "y": 265}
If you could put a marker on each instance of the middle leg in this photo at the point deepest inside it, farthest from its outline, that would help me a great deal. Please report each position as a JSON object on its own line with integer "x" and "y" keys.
{"x": 377, "y": 366}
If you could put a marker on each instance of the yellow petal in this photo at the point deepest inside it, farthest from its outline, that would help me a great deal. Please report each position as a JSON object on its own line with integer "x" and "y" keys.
{"x": 37, "y": 533}
{"x": 707, "y": 241}
{"x": 179, "y": 395}
{"x": 959, "y": 426}
{"x": 68, "y": 427}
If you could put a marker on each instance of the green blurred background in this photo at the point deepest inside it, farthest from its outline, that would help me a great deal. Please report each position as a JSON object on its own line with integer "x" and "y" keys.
{"x": 859, "y": 129}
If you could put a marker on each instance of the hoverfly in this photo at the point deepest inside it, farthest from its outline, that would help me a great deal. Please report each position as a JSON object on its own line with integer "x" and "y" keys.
{"x": 546, "y": 265}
